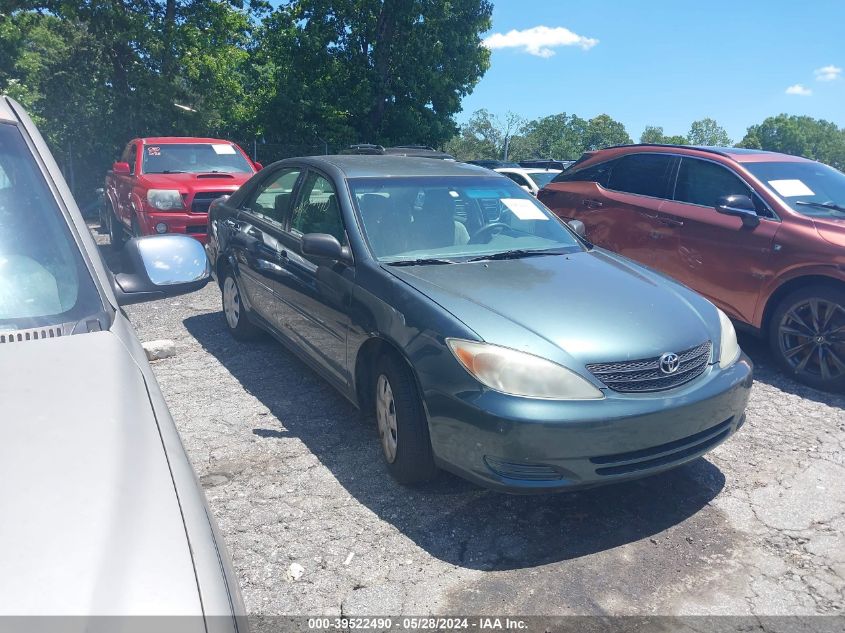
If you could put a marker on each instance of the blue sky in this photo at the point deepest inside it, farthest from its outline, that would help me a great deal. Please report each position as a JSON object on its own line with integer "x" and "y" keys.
{"x": 667, "y": 62}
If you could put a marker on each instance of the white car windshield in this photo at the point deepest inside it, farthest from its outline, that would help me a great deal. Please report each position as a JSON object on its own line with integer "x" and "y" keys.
{"x": 455, "y": 218}
{"x": 43, "y": 279}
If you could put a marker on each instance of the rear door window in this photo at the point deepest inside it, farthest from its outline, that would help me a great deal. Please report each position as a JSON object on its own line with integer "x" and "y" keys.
{"x": 273, "y": 198}
{"x": 594, "y": 173}
{"x": 641, "y": 174}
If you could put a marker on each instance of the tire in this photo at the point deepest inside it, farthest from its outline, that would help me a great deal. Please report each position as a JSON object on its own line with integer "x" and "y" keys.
{"x": 117, "y": 236}
{"x": 136, "y": 228}
{"x": 401, "y": 422}
{"x": 807, "y": 336}
{"x": 234, "y": 312}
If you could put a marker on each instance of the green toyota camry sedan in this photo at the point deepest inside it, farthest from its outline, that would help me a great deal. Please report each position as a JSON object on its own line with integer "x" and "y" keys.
{"x": 485, "y": 336}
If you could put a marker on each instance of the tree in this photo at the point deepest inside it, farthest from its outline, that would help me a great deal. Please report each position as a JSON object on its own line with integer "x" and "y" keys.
{"x": 565, "y": 136}
{"x": 801, "y": 136}
{"x": 603, "y": 131}
{"x": 708, "y": 133}
{"x": 484, "y": 136}
{"x": 654, "y": 134}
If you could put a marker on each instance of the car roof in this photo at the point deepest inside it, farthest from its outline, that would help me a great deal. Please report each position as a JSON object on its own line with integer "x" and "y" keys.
{"x": 528, "y": 170}
{"x": 738, "y": 154}
{"x": 376, "y": 166}
{"x": 167, "y": 140}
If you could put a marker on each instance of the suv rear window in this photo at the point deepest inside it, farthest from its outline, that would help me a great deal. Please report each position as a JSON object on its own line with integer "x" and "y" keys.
{"x": 642, "y": 174}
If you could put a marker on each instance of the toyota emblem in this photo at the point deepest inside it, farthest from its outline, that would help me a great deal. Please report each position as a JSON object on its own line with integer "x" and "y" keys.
{"x": 669, "y": 363}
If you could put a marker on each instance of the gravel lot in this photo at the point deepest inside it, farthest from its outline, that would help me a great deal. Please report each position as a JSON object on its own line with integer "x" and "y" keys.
{"x": 294, "y": 475}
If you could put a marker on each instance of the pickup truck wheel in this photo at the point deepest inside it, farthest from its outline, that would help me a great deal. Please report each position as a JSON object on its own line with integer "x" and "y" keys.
{"x": 235, "y": 312}
{"x": 136, "y": 228}
{"x": 117, "y": 236}
{"x": 807, "y": 336}
{"x": 402, "y": 424}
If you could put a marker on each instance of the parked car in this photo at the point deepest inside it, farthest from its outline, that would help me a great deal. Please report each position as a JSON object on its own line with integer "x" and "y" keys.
{"x": 760, "y": 234}
{"x": 530, "y": 179}
{"x": 103, "y": 514}
{"x": 485, "y": 335}
{"x": 491, "y": 163}
{"x": 165, "y": 185}
{"x": 419, "y": 151}
{"x": 547, "y": 163}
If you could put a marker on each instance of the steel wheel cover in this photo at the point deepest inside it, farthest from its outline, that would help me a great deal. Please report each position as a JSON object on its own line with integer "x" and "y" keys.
{"x": 231, "y": 302}
{"x": 386, "y": 417}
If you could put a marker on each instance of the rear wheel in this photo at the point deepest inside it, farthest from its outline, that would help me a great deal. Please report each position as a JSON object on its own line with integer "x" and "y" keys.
{"x": 237, "y": 318}
{"x": 402, "y": 424}
{"x": 117, "y": 235}
{"x": 807, "y": 336}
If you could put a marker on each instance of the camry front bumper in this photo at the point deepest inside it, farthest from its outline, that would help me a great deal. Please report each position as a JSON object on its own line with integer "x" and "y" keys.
{"x": 522, "y": 444}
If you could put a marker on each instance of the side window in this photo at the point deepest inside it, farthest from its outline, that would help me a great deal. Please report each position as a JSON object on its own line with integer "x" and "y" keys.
{"x": 130, "y": 155}
{"x": 273, "y": 197}
{"x": 317, "y": 210}
{"x": 702, "y": 182}
{"x": 595, "y": 173}
{"x": 518, "y": 179}
{"x": 642, "y": 174}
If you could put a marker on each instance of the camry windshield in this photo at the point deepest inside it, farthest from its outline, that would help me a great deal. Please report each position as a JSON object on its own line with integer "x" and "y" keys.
{"x": 43, "y": 279}
{"x": 542, "y": 178}
{"x": 193, "y": 158}
{"x": 455, "y": 218}
{"x": 812, "y": 189}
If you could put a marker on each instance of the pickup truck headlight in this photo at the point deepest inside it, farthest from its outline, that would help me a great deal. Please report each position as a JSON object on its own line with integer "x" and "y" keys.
{"x": 520, "y": 374}
{"x": 164, "y": 199}
{"x": 729, "y": 349}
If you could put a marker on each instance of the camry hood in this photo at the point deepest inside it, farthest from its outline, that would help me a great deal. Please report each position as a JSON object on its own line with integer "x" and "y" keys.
{"x": 91, "y": 522}
{"x": 592, "y": 306}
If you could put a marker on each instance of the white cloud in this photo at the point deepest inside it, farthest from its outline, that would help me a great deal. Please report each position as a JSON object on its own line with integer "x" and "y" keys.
{"x": 827, "y": 73}
{"x": 539, "y": 40}
{"x": 799, "y": 90}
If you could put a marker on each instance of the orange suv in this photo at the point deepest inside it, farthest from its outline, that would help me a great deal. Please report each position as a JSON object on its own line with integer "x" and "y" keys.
{"x": 760, "y": 234}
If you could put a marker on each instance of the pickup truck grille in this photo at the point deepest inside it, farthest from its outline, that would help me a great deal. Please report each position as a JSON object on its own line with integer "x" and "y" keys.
{"x": 203, "y": 199}
{"x": 644, "y": 375}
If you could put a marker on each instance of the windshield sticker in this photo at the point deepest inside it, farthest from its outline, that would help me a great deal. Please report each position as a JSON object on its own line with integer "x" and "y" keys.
{"x": 454, "y": 194}
{"x": 524, "y": 209}
{"x": 154, "y": 150}
{"x": 791, "y": 188}
{"x": 220, "y": 148}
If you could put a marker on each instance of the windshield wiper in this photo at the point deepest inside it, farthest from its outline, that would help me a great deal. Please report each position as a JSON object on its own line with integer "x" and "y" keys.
{"x": 424, "y": 261}
{"x": 822, "y": 205}
{"x": 515, "y": 254}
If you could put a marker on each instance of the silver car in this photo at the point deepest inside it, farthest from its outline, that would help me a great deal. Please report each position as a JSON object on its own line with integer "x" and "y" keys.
{"x": 102, "y": 512}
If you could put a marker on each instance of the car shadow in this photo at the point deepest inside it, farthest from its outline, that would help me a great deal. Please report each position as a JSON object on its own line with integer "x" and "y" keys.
{"x": 450, "y": 518}
{"x": 767, "y": 371}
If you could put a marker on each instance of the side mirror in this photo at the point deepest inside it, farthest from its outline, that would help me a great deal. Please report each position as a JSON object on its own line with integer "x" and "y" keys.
{"x": 739, "y": 206}
{"x": 120, "y": 168}
{"x": 160, "y": 266}
{"x": 578, "y": 227}
{"x": 325, "y": 246}
{"x": 258, "y": 166}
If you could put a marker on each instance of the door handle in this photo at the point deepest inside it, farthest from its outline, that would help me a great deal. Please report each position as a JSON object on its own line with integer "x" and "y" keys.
{"x": 592, "y": 204}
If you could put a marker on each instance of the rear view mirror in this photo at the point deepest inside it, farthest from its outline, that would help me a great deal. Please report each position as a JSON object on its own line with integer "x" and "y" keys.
{"x": 120, "y": 168}
{"x": 578, "y": 227}
{"x": 324, "y": 246}
{"x": 739, "y": 206}
{"x": 160, "y": 266}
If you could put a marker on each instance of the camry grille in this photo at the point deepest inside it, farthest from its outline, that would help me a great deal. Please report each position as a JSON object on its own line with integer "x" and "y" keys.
{"x": 643, "y": 375}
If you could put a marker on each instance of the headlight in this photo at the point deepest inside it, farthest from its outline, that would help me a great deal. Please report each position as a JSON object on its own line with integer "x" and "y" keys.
{"x": 520, "y": 374}
{"x": 164, "y": 199}
{"x": 729, "y": 349}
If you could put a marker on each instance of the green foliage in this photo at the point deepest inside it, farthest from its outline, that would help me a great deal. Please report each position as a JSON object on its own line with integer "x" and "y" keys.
{"x": 654, "y": 134}
{"x": 799, "y": 135}
{"x": 708, "y": 133}
{"x": 485, "y": 136}
{"x": 96, "y": 73}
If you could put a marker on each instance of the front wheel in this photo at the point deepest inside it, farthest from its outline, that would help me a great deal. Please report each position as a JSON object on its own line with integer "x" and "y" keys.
{"x": 807, "y": 336}
{"x": 117, "y": 235}
{"x": 235, "y": 312}
{"x": 402, "y": 424}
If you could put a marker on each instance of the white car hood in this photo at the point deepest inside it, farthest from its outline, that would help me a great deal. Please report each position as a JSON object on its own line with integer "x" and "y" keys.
{"x": 91, "y": 524}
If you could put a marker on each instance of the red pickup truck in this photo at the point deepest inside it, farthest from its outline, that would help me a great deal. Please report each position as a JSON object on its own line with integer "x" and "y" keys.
{"x": 166, "y": 184}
